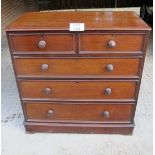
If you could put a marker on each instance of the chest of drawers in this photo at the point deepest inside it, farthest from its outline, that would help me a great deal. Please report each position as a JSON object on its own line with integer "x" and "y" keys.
{"x": 78, "y": 81}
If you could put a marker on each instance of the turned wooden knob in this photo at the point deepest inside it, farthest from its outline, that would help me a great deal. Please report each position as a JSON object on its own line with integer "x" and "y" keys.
{"x": 50, "y": 112}
{"x": 106, "y": 114}
{"x": 110, "y": 67}
{"x": 47, "y": 91}
{"x": 111, "y": 43}
{"x": 42, "y": 44}
{"x": 107, "y": 91}
{"x": 44, "y": 66}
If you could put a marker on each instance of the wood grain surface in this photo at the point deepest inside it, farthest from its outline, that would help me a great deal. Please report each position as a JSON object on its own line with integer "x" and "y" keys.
{"x": 76, "y": 67}
{"x": 54, "y": 42}
{"x": 93, "y": 113}
{"x": 76, "y": 89}
{"x": 99, "y": 42}
{"x": 109, "y": 20}
{"x": 78, "y": 82}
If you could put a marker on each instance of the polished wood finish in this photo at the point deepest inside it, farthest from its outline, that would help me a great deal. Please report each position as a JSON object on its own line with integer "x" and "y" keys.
{"x": 34, "y": 89}
{"x": 96, "y": 128}
{"x": 54, "y": 42}
{"x": 78, "y": 82}
{"x": 93, "y": 113}
{"x": 84, "y": 67}
{"x": 35, "y": 21}
{"x": 100, "y": 42}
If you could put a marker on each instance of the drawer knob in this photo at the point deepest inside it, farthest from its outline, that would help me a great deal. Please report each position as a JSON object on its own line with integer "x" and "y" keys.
{"x": 106, "y": 114}
{"x": 50, "y": 112}
{"x": 47, "y": 91}
{"x": 112, "y": 43}
{"x": 44, "y": 66}
{"x": 42, "y": 44}
{"x": 110, "y": 67}
{"x": 107, "y": 91}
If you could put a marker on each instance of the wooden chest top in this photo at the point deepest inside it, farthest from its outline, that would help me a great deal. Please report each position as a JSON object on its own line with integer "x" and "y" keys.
{"x": 93, "y": 21}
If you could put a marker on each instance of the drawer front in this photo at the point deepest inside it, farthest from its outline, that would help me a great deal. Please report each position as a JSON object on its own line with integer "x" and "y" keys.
{"x": 111, "y": 42}
{"x": 78, "y": 112}
{"x": 43, "y": 43}
{"x": 42, "y": 67}
{"x": 77, "y": 90}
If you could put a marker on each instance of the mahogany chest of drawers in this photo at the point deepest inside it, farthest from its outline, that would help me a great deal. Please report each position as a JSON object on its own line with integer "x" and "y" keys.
{"x": 78, "y": 81}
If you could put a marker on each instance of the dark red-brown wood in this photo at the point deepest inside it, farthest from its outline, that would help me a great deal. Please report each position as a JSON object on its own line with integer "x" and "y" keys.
{"x": 77, "y": 90}
{"x": 124, "y": 129}
{"x": 125, "y": 20}
{"x": 90, "y": 113}
{"x": 77, "y": 67}
{"x": 79, "y": 82}
{"x": 100, "y": 42}
{"x": 54, "y": 42}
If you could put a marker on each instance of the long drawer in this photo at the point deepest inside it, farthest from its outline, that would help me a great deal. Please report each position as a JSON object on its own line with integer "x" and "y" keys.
{"x": 64, "y": 112}
{"x": 44, "y": 43}
{"x": 77, "y": 89}
{"x": 77, "y": 67}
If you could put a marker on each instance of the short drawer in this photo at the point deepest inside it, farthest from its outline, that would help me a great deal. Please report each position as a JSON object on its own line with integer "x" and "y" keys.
{"x": 77, "y": 67}
{"x": 46, "y": 43}
{"x": 64, "y": 112}
{"x": 94, "y": 43}
{"x": 77, "y": 90}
